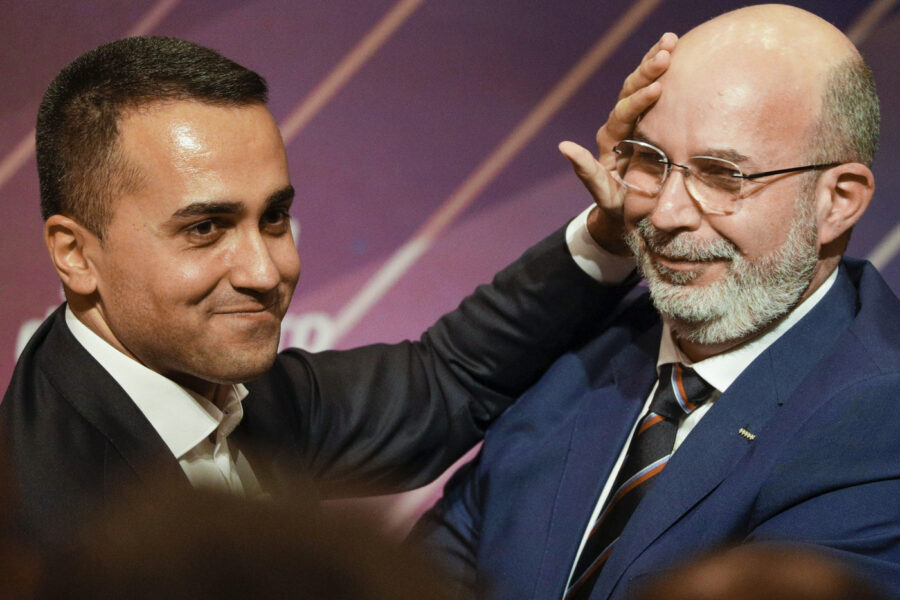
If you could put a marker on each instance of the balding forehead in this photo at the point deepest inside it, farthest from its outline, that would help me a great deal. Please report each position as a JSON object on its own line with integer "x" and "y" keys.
{"x": 727, "y": 73}
{"x": 780, "y": 53}
{"x": 765, "y": 32}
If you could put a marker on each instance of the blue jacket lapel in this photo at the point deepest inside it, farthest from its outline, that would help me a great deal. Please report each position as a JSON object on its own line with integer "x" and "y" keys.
{"x": 716, "y": 444}
{"x": 597, "y": 437}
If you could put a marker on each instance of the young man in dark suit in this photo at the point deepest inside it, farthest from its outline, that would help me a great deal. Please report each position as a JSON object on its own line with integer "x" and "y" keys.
{"x": 165, "y": 191}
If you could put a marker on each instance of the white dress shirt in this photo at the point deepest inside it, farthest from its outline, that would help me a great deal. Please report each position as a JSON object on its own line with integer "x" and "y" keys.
{"x": 193, "y": 428}
{"x": 720, "y": 370}
{"x": 591, "y": 258}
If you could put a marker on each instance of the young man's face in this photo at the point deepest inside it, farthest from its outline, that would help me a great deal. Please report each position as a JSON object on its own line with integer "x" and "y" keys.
{"x": 198, "y": 265}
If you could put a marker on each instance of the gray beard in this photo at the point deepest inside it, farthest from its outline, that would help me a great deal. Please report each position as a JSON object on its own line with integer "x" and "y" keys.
{"x": 753, "y": 293}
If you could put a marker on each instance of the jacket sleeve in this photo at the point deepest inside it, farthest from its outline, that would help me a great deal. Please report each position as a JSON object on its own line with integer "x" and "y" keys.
{"x": 393, "y": 417}
{"x": 449, "y": 533}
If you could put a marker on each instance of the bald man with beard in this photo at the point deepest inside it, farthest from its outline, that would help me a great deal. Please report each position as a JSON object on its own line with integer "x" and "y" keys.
{"x": 751, "y": 394}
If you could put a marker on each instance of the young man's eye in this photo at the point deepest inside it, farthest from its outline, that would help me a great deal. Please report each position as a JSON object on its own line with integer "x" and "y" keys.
{"x": 205, "y": 232}
{"x": 276, "y": 217}
{"x": 204, "y": 227}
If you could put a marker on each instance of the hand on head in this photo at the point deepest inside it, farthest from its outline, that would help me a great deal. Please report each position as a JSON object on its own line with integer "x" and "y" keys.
{"x": 638, "y": 93}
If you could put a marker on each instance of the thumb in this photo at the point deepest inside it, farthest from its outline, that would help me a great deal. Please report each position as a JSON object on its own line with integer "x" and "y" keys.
{"x": 592, "y": 174}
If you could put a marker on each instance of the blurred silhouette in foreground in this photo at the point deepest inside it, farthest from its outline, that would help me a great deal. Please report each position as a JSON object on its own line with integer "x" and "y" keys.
{"x": 19, "y": 566}
{"x": 760, "y": 572}
{"x": 208, "y": 545}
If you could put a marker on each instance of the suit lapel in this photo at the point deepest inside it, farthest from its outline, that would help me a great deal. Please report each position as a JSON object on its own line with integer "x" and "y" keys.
{"x": 694, "y": 470}
{"x": 272, "y": 465}
{"x": 101, "y": 401}
{"x": 268, "y": 435}
{"x": 597, "y": 437}
{"x": 716, "y": 445}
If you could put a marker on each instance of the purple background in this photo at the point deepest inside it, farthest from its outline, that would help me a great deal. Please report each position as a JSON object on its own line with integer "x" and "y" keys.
{"x": 393, "y": 144}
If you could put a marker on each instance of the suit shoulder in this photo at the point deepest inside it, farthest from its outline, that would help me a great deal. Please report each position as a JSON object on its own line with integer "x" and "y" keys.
{"x": 842, "y": 440}
{"x": 32, "y": 380}
{"x": 291, "y": 370}
{"x": 628, "y": 338}
{"x": 876, "y": 326}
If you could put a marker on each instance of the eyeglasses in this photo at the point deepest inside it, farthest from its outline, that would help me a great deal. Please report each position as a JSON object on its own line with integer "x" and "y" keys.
{"x": 715, "y": 183}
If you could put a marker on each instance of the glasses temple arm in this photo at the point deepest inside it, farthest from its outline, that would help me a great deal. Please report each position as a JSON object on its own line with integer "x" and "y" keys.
{"x": 791, "y": 170}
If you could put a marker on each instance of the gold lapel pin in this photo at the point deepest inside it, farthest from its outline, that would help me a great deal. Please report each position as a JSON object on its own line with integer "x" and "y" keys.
{"x": 747, "y": 435}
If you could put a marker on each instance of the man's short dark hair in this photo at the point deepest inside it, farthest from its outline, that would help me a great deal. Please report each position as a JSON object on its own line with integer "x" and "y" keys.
{"x": 81, "y": 170}
{"x": 847, "y": 129}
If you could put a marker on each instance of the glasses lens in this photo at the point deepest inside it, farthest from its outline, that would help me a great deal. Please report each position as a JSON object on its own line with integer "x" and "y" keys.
{"x": 640, "y": 166}
{"x": 713, "y": 183}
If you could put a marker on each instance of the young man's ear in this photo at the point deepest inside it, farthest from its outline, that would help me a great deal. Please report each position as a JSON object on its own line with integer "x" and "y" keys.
{"x": 71, "y": 245}
{"x": 843, "y": 194}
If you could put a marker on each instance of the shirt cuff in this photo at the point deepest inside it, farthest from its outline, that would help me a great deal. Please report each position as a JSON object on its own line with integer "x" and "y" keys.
{"x": 600, "y": 264}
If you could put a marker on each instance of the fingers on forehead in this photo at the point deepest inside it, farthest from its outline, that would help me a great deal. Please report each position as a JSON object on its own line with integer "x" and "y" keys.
{"x": 640, "y": 77}
{"x": 652, "y": 66}
{"x": 630, "y": 108}
{"x": 665, "y": 42}
{"x": 624, "y": 114}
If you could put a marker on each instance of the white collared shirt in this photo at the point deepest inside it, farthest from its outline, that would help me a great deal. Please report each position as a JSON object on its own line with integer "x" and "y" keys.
{"x": 720, "y": 370}
{"x": 603, "y": 266}
{"x": 194, "y": 429}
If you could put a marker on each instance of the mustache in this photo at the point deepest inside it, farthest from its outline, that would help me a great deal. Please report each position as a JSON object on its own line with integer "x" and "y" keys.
{"x": 680, "y": 246}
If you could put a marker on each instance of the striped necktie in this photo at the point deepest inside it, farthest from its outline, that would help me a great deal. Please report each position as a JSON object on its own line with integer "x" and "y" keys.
{"x": 679, "y": 393}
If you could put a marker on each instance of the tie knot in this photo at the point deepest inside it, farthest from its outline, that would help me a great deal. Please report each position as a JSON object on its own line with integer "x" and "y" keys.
{"x": 680, "y": 391}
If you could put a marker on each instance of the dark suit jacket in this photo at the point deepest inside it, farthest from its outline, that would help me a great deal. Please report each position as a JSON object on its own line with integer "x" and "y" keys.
{"x": 823, "y": 468}
{"x": 386, "y": 417}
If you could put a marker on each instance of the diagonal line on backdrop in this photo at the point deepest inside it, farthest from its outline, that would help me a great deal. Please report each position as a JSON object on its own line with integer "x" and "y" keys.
{"x": 300, "y": 116}
{"x": 888, "y": 248}
{"x": 407, "y": 255}
{"x": 868, "y": 19}
{"x": 882, "y": 254}
{"x": 153, "y": 17}
{"x": 13, "y": 161}
{"x": 347, "y": 68}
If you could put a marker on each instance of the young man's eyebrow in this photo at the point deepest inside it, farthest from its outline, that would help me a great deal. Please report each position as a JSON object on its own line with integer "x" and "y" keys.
{"x": 205, "y": 209}
{"x": 219, "y": 207}
{"x": 282, "y": 196}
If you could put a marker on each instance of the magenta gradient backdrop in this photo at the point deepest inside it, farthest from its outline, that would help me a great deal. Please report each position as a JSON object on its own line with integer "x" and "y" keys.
{"x": 392, "y": 145}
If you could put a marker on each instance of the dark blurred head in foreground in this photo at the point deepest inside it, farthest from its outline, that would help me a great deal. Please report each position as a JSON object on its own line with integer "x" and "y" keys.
{"x": 761, "y": 572}
{"x": 213, "y": 546}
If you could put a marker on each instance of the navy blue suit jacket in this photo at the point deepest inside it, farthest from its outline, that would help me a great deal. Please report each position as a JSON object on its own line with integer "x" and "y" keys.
{"x": 823, "y": 468}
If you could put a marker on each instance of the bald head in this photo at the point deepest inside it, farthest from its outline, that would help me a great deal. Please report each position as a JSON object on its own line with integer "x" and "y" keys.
{"x": 803, "y": 74}
{"x": 783, "y": 37}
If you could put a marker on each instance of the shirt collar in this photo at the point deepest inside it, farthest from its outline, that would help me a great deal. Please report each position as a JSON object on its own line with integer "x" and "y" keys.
{"x": 181, "y": 417}
{"x": 723, "y": 369}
